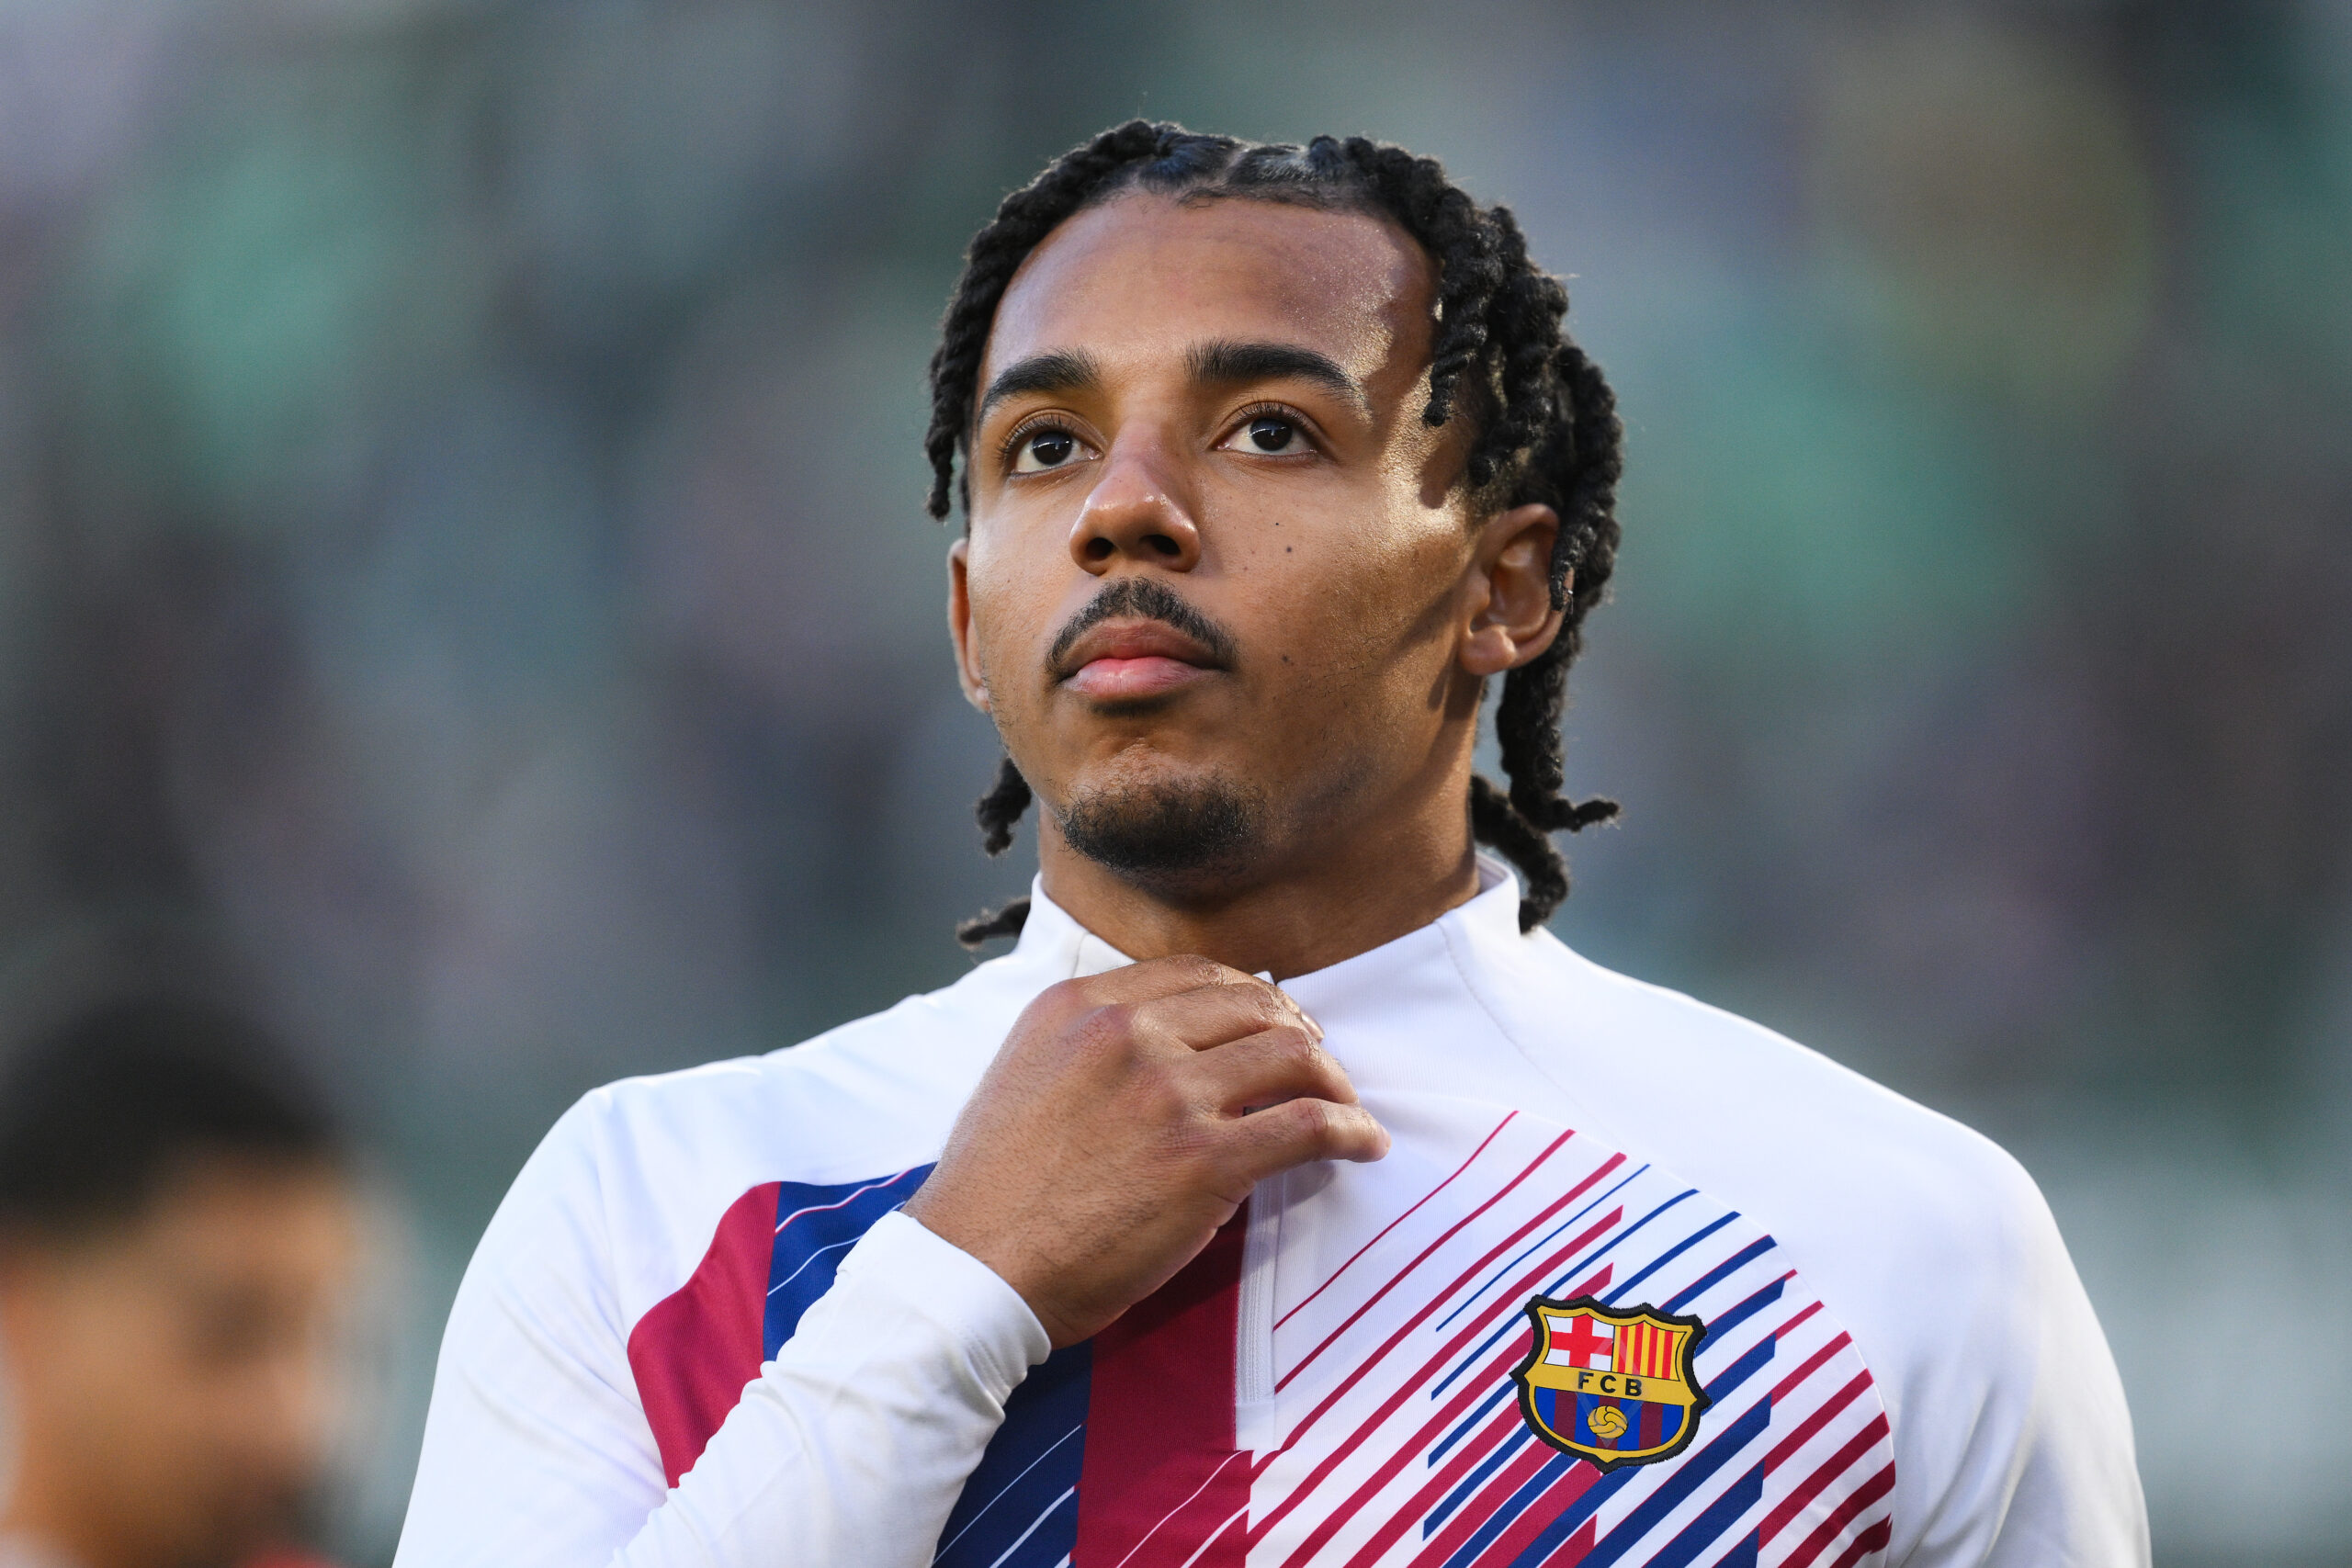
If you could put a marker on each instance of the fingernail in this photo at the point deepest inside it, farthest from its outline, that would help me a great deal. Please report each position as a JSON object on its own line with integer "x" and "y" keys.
{"x": 1312, "y": 1024}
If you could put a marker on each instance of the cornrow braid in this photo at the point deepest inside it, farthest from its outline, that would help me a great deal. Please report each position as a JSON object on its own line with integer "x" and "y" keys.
{"x": 1546, "y": 426}
{"x": 999, "y": 812}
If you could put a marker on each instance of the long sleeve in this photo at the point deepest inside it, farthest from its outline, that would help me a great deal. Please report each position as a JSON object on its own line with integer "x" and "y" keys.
{"x": 857, "y": 1439}
{"x": 850, "y": 1448}
{"x": 2045, "y": 1476}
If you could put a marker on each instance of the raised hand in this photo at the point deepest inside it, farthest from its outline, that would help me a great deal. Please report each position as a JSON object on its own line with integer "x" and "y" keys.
{"x": 1125, "y": 1119}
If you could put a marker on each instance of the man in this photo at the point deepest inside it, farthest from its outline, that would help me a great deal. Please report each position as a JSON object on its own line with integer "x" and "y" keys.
{"x": 1449, "y": 1248}
{"x": 177, "y": 1237}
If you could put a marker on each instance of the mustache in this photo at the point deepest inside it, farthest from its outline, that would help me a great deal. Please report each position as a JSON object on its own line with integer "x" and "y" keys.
{"x": 1145, "y": 599}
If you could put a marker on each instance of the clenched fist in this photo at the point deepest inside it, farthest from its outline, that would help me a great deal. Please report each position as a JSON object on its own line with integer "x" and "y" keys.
{"x": 1126, "y": 1118}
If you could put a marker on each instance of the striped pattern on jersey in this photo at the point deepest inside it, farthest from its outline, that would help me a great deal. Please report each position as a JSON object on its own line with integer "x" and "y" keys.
{"x": 1408, "y": 1446}
{"x": 1404, "y": 1444}
{"x": 1139, "y": 1420}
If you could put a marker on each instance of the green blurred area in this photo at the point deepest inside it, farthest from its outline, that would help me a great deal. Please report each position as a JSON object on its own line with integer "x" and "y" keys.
{"x": 461, "y": 559}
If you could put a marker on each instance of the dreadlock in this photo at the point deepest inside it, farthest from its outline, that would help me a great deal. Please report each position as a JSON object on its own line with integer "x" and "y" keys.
{"x": 1546, "y": 422}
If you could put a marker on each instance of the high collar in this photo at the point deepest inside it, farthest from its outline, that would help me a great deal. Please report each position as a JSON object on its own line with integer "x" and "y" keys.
{"x": 1412, "y": 1016}
{"x": 1052, "y": 939}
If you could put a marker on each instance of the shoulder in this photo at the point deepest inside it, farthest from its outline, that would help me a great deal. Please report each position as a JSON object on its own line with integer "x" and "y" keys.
{"x": 1755, "y": 1116}
{"x": 825, "y": 1107}
{"x": 1926, "y": 1240}
{"x": 1931, "y": 1242}
{"x": 639, "y": 1172}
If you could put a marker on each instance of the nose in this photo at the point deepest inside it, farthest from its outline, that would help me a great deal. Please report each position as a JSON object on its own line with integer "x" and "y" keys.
{"x": 1136, "y": 512}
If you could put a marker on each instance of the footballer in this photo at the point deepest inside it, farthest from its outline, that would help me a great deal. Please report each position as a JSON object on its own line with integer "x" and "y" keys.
{"x": 1287, "y": 1195}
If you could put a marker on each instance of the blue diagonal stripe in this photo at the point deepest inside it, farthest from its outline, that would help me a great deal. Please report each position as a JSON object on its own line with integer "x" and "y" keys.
{"x": 1723, "y": 1323}
{"x": 1709, "y": 1526}
{"x": 1554, "y": 1469}
{"x": 1692, "y": 1473}
{"x": 1485, "y": 1408}
{"x": 1722, "y": 1386}
{"x": 1580, "y": 1266}
{"x": 1722, "y": 1271}
{"x": 1475, "y": 1479}
{"x": 1663, "y": 1259}
{"x": 981, "y": 1512}
{"x": 1533, "y": 1248}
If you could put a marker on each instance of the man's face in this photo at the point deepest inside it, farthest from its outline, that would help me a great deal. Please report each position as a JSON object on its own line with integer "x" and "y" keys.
{"x": 1219, "y": 572}
{"x": 172, "y": 1379}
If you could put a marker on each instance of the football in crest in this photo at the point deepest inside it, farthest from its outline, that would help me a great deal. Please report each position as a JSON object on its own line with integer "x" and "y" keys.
{"x": 1612, "y": 1385}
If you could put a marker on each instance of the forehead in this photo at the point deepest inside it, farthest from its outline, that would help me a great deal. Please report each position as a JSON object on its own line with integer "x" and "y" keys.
{"x": 1145, "y": 276}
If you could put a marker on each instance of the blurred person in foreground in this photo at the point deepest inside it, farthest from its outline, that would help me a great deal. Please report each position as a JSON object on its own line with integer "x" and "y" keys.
{"x": 1449, "y": 1248}
{"x": 178, "y": 1235}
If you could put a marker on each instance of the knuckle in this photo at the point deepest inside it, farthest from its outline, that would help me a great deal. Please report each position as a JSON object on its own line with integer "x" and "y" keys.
{"x": 1294, "y": 1047}
{"x": 1193, "y": 971}
{"x": 1162, "y": 1101}
{"x": 1191, "y": 1145}
{"x": 1062, "y": 995}
{"x": 1105, "y": 1029}
{"x": 1309, "y": 1119}
{"x": 1280, "y": 1057}
{"x": 1265, "y": 1004}
{"x": 1054, "y": 1008}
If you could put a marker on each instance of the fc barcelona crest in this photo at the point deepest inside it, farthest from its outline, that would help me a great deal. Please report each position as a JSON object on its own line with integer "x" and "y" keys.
{"x": 1614, "y": 1387}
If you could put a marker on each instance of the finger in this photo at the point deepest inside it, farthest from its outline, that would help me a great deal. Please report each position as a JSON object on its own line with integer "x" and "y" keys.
{"x": 1211, "y": 1016}
{"x": 1281, "y": 1063}
{"x": 1299, "y": 1132}
{"x": 1114, "y": 991}
{"x": 1173, "y": 975}
{"x": 1155, "y": 977}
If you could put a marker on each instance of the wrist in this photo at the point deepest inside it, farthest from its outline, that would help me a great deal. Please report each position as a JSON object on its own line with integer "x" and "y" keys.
{"x": 1014, "y": 1265}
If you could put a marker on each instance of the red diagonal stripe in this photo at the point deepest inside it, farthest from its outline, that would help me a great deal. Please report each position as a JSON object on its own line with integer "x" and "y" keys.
{"x": 1440, "y": 1298}
{"x": 1814, "y": 1422}
{"x": 1813, "y": 1362}
{"x": 1796, "y": 1501}
{"x": 1473, "y": 1449}
{"x": 1394, "y": 1279}
{"x": 1465, "y": 1458}
{"x": 1537, "y": 1517}
{"x": 1429, "y": 1430}
{"x": 1514, "y": 1474}
{"x": 1871, "y": 1540}
{"x": 1869, "y": 1492}
{"x": 1399, "y": 1219}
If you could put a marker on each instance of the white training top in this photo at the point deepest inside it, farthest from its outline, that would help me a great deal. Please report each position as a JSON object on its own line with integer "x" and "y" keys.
{"x": 1639, "y": 1283}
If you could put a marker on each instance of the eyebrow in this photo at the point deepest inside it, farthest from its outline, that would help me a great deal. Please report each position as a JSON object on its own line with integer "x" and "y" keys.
{"x": 1224, "y": 362}
{"x": 1228, "y": 363}
{"x": 1063, "y": 370}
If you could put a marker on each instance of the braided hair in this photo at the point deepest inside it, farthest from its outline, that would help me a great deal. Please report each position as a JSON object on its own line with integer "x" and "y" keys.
{"x": 1546, "y": 421}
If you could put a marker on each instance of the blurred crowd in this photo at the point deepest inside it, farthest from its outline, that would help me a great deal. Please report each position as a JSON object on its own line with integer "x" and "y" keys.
{"x": 462, "y": 573}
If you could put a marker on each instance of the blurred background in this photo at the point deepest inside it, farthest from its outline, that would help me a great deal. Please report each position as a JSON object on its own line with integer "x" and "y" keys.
{"x": 462, "y": 566}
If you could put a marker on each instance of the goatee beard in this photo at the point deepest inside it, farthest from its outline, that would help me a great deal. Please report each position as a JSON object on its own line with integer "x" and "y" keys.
{"x": 1164, "y": 833}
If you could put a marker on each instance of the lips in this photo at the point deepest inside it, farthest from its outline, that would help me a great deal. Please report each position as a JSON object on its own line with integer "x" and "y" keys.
{"x": 1138, "y": 659}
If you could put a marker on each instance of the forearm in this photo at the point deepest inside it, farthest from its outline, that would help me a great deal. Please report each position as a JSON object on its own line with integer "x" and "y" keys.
{"x": 854, "y": 1444}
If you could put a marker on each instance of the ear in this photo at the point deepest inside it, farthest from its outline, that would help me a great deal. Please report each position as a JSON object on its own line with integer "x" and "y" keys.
{"x": 959, "y": 625}
{"x": 1510, "y": 616}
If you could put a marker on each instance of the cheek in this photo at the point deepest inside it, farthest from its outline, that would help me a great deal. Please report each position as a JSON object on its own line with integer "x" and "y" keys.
{"x": 997, "y": 633}
{"x": 1375, "y": 616}
{"x": 1010, "y": 590}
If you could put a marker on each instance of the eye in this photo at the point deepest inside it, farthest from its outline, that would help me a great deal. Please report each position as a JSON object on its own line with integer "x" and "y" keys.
{"x": 1271, "y": 435}
{"x": 1039, "y": 451}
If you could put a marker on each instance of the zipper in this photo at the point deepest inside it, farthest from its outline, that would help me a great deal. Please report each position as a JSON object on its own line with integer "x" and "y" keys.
{"x": 1253, "y": 1361}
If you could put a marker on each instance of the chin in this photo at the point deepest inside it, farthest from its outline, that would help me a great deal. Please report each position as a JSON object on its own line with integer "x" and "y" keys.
{"x": 1191, "y": 833}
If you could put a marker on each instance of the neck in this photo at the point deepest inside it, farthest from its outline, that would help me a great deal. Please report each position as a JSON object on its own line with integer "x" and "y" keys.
{"x": 1371, "y": 878}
